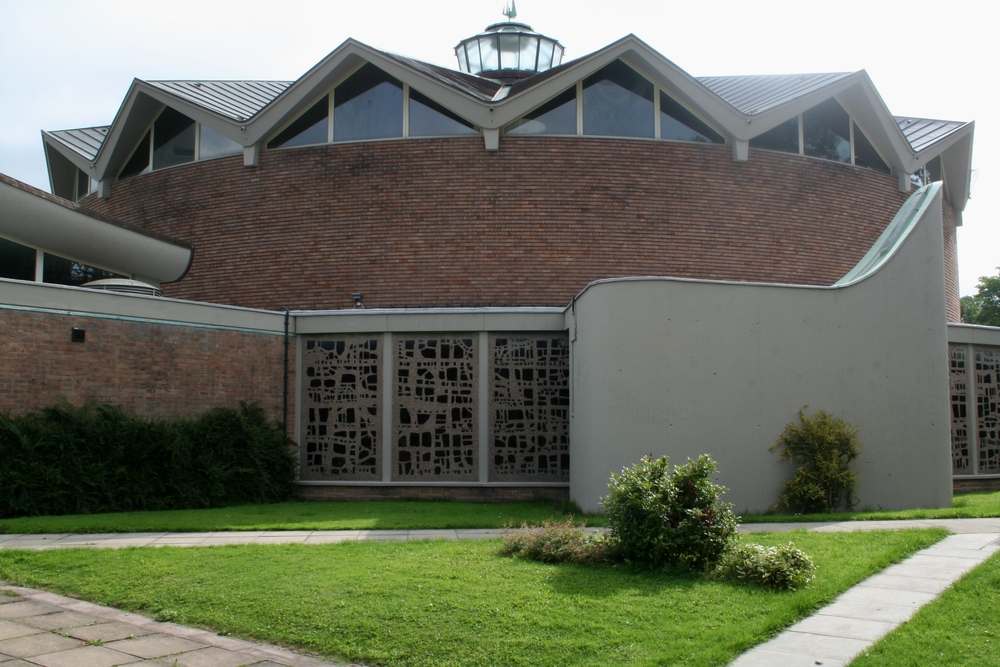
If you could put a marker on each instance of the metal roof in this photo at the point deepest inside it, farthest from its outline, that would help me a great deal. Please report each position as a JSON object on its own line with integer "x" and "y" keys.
{"x": 477, "y": 86}
{"x": 85, "y": 140}
{"x": 758, "y": 93}
{"x": 238, "y": 100}
{"x": 922, "y": 132}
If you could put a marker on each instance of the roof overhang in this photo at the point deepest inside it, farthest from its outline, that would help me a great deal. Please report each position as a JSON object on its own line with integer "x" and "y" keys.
{"x": 49, "y": 222}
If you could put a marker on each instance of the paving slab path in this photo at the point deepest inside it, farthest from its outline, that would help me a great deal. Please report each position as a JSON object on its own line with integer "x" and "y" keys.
{"x": 49, "y": 630}
{"x": 39, "y": 628}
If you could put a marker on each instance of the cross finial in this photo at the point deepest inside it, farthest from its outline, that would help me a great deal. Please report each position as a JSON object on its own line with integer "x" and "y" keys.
{"x": 510, "y": 10}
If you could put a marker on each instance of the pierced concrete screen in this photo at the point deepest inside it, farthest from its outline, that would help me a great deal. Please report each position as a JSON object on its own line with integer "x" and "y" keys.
{"x": 435, "y": 403}
{"x": 341, "y": 436}
{"x": 529, "y": 408}
{"x": 988, "y": 409}
{"x": 961, "y": 461}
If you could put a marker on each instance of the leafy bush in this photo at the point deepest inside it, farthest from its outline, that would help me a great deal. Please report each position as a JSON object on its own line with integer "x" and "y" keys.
{"x": 785, "y": 568}
{"x": 99, "y": 458}
{"x": 824, "y": 446}
{"x": 558, "y": 542}
{"x": 658, "y": 517}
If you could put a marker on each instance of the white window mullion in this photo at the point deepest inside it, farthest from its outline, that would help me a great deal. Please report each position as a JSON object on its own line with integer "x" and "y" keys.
{"x": 579, "y": 108}
{"x": 656, "y": 111}
{"x": 329, "y": 117}
{"x": 406, "y": 110}
{"x": 39, "y": 265}
{"x": 852, "y": 138}
{"x": 802, "y": 139}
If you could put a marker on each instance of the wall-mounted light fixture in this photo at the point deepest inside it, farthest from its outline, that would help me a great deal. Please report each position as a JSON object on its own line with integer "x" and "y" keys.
{"x": 78, "y": 335}
{"x": 357, "y": 299}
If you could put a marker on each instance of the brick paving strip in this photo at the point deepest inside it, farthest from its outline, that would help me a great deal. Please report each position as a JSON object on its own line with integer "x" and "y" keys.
{"x": 38, "y": 628}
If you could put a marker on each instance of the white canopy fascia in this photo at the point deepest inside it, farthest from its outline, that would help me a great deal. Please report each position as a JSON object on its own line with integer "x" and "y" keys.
{"x": 45, "y": 221}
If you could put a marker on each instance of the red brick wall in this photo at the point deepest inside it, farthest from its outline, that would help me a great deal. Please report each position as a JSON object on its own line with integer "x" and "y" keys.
{"x": 156, "y": 370}
{"x": 442, "y": 222}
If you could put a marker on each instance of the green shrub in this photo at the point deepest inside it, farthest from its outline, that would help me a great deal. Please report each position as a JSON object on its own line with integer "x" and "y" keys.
{"x": 784, "y": 568}
{"x": 658, "y": 517}
{"x": 99, "y": 458}
{"x": 558, "y": 542}
{"x": 824, "y": 446}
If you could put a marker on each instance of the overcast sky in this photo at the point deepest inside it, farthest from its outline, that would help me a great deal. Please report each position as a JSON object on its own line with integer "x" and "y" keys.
{"x": 69, "y": 64}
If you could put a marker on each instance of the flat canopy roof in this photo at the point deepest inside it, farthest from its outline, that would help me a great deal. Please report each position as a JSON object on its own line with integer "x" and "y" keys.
{"x": 37, "y": 218}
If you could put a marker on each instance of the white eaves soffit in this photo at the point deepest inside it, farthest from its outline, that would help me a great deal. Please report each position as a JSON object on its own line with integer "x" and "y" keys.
{"x": 855, "y": 92}
{"x": 48, "y": 222}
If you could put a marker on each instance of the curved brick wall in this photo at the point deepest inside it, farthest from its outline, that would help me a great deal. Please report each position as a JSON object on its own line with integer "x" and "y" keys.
{"x": 442, "y": 222}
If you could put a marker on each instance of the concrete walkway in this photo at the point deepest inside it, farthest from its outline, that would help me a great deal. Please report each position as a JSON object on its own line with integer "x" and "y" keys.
{"x": 48, "y": 630}
{"x": 38, "y": 628}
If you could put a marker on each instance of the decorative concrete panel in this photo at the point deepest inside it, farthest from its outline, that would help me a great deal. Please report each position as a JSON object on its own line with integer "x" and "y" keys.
{"x": 435, "y": 408}
{"x": 988, "y": 408}
{"x": 341, "y": 438}
{"x": 529, "y": 407}
{"x": 961, "y": 461}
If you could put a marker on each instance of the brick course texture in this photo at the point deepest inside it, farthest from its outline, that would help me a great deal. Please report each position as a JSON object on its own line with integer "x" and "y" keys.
{"x": 154, "y": 370}
{"x": 444, "y": 223}
{"x": 972, "y": 485}
{"x": 472, "y": 494}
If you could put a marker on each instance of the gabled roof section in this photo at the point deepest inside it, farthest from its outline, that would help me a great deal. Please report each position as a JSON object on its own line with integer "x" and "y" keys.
{"x": 85, "y": 141}
{"x": 238, "y": 100}
{"x": 758, "y": 93}
{"x": 922, "y": 132}
{"x": 477, "y": 86}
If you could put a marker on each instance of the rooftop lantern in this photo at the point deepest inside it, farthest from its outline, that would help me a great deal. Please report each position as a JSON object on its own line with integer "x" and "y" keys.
{"x": 508, "y": 51}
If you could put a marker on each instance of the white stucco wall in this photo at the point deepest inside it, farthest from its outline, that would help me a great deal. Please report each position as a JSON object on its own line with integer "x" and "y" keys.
{"x": 684, "y": 368}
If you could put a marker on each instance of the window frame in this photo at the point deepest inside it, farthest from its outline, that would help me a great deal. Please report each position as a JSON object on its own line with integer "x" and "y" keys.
{"x": 657, "y": 89}
{"x": 478, "y": 131}
{"x": 40, "y": 261}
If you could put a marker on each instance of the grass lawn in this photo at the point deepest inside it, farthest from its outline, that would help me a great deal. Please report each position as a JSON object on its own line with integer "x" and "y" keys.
{"x": 385, "y": 515}
{"x": 457, "y": 603}
{"x": 962, "y": 627}
{"x": 963, "y": 506}
{"x": 401, "y": 514}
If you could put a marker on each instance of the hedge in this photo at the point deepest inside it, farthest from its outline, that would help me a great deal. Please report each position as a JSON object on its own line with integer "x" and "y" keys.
{"x": 99, "y": 458}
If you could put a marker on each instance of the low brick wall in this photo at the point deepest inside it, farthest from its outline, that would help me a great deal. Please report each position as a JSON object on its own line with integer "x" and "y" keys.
{"x": 151, "y": 369}
{"x": 474, "y": 494}
{"x": 971, "y": 485}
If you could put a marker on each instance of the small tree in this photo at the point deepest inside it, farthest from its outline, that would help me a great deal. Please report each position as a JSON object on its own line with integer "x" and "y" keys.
{"x": 658, "y": 517}
{"x": 824, "y": 445}
{"x": 984, "y": 306}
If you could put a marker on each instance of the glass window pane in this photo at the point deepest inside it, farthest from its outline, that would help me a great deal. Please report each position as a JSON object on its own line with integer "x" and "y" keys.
{"x": 934, "y": 170}
{"x": 61, "y": 271}
{"x": 865, "y": 154}
{"x": 463, "y": 63}
{"x": 618, "y": 102}
{"x": 488, "y": 51}
{"x": 82, "y": 184}
{"x": 16, "y": 261}
{"x": 310, "y": 128}
{"x": 529, "y": 52}
{"x": 475, "y": 65}
{"x": 212, "y": 144}
{"x": 678, "y": 123}
{"x": 510, "y": 48}
{"x": 430, "y": 119}
{"x": 826, "y": 132}
{"x": 557, "y": 116}
{"x": 784, "y": 138}
{"x": 369, "y": 105}
{"x": 545, "y": 55}
{"x": 173, "y": 139}
{"x": 139, "y": 162}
